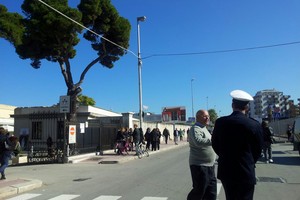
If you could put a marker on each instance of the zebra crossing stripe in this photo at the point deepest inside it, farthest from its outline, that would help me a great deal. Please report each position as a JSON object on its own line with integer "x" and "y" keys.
{"x": 24, "y": 197}
{"x": 102, "y": 197}
{"x": 65, "y": 197}
{"x": 154, "y": 198}
{"x": 219, "y": 186}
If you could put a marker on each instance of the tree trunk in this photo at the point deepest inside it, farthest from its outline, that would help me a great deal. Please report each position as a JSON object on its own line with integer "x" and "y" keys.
{"x": 72, "y": 118}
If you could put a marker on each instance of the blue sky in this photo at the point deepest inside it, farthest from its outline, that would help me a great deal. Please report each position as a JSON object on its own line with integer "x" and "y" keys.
{"x": 174, "y": 27}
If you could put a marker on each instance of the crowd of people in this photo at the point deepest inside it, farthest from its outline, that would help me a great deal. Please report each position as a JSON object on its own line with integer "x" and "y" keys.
{"x": 128, "y": 139}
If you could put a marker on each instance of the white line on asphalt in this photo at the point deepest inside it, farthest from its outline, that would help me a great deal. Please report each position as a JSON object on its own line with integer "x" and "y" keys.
{"x": 154, "y": 198}
{"x": 65, "y": 197}
{"x": 102, "y": 197}
{"x": 219, "y": 186}
{"x": 24, "y": 196}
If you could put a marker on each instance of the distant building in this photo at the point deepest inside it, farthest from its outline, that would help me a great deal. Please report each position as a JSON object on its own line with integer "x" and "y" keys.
{"x": 174, "y": 114}
{"x": 6, "y": 121}
{"x": 270, "y": 104}
{"x": 94, "y": 127}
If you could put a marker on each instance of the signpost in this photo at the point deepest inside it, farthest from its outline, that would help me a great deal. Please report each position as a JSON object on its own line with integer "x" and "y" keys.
{"x": 64, "y": 104}
{"x": 64, "y": 107}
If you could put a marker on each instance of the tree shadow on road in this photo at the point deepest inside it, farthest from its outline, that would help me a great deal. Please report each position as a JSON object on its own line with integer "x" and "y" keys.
{"x": 287, "y": 160}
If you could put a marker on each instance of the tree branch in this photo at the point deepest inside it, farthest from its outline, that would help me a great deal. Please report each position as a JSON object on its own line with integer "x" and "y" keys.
{"x": 86, "y": 70}
{"x": 64, "y": 73}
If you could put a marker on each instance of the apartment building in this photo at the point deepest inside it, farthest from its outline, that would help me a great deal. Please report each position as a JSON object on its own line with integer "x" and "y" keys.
{"x": 270, "y": 104}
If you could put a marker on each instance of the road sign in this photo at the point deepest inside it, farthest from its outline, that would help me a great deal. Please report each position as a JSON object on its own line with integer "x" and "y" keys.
{"x": 72, "y": 134}
{"x": 64, "y": 104}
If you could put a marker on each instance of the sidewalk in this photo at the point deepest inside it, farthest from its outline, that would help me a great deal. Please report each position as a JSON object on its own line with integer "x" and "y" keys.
{"x": 10, "y": 187}
{"x": 110, "y": 157}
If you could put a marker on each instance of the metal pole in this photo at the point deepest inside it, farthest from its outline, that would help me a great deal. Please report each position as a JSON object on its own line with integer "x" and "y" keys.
{"x": 192, "y": 97}
{"x": 206, "y": 103}
{"x": 65, "y": 147}
{"x": 140, "y": 70}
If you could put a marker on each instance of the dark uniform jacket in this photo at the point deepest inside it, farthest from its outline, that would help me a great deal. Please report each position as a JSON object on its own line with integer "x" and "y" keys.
{"x": 237, "y": 140}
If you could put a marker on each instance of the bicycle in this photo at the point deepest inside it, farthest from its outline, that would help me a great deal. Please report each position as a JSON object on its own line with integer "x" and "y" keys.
{"x": 142, "y": 151}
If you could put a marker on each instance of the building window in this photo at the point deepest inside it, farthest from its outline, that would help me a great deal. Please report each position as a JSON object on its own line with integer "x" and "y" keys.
{"x": 36, "y": 130}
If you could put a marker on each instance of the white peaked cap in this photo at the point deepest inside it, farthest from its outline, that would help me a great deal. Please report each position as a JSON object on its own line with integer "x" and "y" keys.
{"x": 241, "y": 95}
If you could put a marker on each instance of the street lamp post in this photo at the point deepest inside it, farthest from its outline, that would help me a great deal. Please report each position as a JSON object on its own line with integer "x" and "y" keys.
{"x": 140, "y": 19}
{"x": 192, "y": 97}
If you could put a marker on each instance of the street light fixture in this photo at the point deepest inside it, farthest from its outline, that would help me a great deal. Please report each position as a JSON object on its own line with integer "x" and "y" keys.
{"x": 192, "y": 97}
{"x": 140, "y": 19}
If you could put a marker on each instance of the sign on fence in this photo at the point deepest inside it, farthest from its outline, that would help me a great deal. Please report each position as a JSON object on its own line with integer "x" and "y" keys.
{"x": 72, "y": 134}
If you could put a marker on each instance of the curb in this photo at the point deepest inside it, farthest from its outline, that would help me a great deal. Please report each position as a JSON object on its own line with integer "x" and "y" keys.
{"x": 21, "y": 185}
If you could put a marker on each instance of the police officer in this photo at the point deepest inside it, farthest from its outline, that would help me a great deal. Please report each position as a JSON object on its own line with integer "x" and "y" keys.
{"x": 237, "y": 140}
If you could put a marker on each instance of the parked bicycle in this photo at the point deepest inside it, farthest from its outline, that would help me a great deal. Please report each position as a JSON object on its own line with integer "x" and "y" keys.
{"x": 142, "y": 151}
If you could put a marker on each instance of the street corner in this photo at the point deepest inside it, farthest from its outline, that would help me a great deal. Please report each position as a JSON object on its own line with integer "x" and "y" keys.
{"x": 17, "y": 186}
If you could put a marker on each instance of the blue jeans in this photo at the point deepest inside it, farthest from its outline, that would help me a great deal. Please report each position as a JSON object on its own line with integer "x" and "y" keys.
{"x": 4, "y": 158}
{"x": 137, "y": 147}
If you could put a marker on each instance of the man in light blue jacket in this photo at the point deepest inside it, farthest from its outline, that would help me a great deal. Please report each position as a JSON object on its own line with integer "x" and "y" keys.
{"x": 202, "y": 158}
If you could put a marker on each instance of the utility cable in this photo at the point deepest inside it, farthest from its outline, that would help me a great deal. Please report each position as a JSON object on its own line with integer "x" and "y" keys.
{"x": 172, "y": 54}
{"x": 222, "y": 51}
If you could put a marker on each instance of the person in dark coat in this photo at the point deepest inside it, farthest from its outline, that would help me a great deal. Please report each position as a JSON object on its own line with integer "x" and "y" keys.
{"x": 166, "y": 134}
{"x": 238, "y": 141}
{"x": 153, "y": 136}
{"x": 268, "y": 140}
{"x": 136, "y": 138}
{"x": 148, "y": 138}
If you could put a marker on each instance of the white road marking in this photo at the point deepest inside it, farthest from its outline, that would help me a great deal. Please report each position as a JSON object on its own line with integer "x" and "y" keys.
{"x": 25, "y": 196}
{"x": 154, "y": 198}
{"x": 219, "y": 186}
{"x": 102, "y": 197}
{"x": 65, "y": 197}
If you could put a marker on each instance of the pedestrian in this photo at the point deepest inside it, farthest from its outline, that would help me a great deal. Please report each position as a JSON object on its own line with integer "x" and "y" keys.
{"x": 201, "y": 160}
{"x": 130, "y": 139}
{"x": 136, "y": 138}
{"x": 175, "y": 134}
{"x": 289, "y": 132}
{"x": 166, "y": 134}
{"x": 153, "y": 136}
{"x": 148, "y": 138}
{"x": 237, "y": 140}
{"x": 8, "y": 146}
{"x": 158, "y": 138}
{"x": 49, "y": 146}
{"x": 267, "y": 148}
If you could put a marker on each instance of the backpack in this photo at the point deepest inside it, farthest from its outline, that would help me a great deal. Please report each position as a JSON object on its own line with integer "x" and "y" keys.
{"x": 10, "y": 144}
{"x": 17, "y": 149}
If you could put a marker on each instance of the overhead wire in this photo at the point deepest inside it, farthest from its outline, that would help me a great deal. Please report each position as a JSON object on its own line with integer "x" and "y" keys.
{"x": 222, "y": 51}
{"x": 172, "y": 54}
{"x": 87, "y": 28}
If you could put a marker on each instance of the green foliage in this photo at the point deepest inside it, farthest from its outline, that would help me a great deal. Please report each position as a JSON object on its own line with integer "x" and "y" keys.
{"x": 49, "y": 35}
{"x": 101, "y": 17}
{"x": 213, "y": 115}
{"x": 85, "y": 100}
{"x": 11, "y": 27}
{"x": 45, "y": 34}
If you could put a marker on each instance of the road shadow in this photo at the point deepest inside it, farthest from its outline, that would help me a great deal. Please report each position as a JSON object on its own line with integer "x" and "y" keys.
{"x": 287, "y": 160}
{"x": 283, "y": 158}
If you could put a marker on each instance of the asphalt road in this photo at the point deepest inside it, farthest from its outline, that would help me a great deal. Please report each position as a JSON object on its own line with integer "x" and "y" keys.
{"x": 162, "y": 176}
